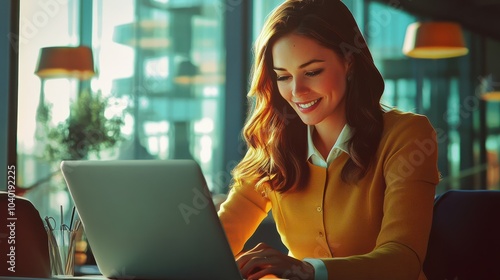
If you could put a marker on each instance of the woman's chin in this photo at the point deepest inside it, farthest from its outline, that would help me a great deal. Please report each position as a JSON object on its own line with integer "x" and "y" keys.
{"x": 307, "y": 121}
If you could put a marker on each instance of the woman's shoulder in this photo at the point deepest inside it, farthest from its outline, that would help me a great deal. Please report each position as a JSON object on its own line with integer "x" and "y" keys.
{"x": 399, "y": 123}
{"x": 394, "y": 118}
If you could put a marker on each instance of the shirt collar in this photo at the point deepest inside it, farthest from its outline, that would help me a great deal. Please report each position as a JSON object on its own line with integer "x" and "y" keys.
{"x": 340, "y": 144}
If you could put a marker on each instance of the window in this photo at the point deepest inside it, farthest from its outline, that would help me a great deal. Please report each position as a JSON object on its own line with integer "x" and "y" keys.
{"x": 162, "y": 60}
{"x": 160, "y": 68}
{"x": 42, "y": 24}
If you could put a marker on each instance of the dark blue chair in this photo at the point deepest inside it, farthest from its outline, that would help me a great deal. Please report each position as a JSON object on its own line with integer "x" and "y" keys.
{"x": 464, "y": 241}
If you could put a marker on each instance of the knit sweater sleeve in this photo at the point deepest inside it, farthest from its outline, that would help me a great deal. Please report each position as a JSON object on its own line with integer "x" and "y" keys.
{"x": 241, "y": 214}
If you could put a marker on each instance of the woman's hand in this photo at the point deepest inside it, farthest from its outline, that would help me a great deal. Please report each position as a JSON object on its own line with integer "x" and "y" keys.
{"x": 263, "y": 260}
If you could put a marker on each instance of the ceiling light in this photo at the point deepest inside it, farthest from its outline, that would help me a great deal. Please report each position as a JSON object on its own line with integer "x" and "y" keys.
{"x": 434, "y": 40}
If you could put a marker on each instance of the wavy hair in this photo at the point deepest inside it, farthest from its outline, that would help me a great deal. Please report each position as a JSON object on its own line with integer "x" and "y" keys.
{"x": 275, "y": 135}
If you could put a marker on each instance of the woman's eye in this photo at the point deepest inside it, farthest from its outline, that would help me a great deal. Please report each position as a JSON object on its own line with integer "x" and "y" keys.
{"x": 314, "y": 73}
{"x": 281, "y": 78}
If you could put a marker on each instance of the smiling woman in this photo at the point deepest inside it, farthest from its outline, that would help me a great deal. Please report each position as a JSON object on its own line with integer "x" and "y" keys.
{"x": 314, "y": 84}
{"x": 331, "y": 171}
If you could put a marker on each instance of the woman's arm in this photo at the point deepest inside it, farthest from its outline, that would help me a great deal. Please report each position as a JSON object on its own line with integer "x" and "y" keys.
{"x": 241, "y": 214}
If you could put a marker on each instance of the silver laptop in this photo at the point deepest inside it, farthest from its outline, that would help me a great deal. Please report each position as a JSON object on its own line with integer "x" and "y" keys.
{"x": 150, "y": 219}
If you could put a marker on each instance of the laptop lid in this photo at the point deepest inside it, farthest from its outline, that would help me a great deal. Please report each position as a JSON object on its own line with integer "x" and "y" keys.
{"x": 150, "y": 219}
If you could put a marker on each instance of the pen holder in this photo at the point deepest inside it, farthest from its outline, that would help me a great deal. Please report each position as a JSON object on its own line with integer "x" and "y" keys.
{"x": 62, "y": 251}
{"x": 80, "y": 247}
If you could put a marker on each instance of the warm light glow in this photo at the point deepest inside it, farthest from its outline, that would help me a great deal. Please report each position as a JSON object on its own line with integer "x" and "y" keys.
{"x": 490, "y": 88}
{"x": 154, "y": 34}
{"x": 434, "y": 40}
{"x": 491, "y": 96}
{"x": 65, "y": 62}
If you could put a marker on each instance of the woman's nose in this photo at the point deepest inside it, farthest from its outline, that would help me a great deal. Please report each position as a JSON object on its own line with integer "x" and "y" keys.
{"x": 299, "y": 88}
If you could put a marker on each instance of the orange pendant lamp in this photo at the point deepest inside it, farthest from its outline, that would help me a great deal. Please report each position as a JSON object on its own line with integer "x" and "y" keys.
{"x": 434, "y": 40}
{"x": 65, "y": 62}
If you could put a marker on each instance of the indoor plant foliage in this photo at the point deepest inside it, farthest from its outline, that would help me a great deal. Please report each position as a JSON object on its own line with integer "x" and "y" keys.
{"x": 86, "y": 131}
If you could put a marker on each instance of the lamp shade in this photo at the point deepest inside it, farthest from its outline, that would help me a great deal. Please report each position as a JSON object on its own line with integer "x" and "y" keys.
{"x": 66, "y": 62}
{"x": 434, "y": 40}
{"x": 490, "y": 88}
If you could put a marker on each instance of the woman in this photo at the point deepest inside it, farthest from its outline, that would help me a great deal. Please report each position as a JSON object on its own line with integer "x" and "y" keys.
{"x": 351, "y": 186}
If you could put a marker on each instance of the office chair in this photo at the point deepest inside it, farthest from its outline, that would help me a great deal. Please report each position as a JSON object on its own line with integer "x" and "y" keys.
{"x": 464, "y": 241}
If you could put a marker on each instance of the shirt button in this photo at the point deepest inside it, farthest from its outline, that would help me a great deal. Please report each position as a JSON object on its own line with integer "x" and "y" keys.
{"x": 320, "y": 234}
{"x": 318, "y": 209}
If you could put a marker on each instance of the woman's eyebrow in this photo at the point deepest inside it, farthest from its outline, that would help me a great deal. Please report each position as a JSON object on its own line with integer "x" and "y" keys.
{"x": 302, "y": 65}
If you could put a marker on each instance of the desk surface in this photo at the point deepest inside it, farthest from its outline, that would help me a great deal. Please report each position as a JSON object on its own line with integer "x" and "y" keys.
{"x": 88, "y": 277}
{"x": 90, "y": 273}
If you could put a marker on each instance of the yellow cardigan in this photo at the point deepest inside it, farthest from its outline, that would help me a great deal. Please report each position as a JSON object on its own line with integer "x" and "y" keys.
{"x": 375, "y": 229}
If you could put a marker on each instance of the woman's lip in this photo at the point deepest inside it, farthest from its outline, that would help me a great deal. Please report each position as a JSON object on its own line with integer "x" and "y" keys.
{"x": 312, "y": 106}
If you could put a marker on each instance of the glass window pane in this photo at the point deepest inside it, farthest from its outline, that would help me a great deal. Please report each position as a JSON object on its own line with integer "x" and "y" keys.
{"x": 164, "y": 61}
{"x": 160, "y": 69}
{"x": 42, "y": 24}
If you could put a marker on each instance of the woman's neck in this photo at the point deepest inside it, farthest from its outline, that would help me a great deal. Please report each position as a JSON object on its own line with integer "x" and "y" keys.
{"x": 326, "y": 134}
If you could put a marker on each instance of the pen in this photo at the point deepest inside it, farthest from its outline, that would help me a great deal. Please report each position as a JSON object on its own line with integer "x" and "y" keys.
{"x": 72, "y": 218}
{"x": 54, "y": 250}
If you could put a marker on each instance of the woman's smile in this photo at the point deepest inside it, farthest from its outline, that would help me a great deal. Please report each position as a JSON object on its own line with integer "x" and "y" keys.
{"x": 311, "y": 78}
{"x": 306, "y": 107}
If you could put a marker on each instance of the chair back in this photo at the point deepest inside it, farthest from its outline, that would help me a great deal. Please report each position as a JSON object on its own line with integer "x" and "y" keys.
{"x": 464, "y": 242}
{"x": 24, "y": 250}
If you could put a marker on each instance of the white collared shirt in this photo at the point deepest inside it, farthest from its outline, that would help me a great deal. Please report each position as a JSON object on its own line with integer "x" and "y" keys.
{"x": 315, "y": 157}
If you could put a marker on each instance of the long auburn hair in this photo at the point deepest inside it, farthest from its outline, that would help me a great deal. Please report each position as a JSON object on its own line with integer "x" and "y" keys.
{"x": 275, "y": 135}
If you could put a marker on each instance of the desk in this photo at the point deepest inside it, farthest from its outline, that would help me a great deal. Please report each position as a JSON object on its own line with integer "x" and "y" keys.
{"x": 85, "y": 272}
{"x": 90, "y": 277}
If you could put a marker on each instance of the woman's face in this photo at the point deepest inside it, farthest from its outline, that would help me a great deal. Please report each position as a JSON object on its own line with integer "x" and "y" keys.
{"x": 311, "y": 77}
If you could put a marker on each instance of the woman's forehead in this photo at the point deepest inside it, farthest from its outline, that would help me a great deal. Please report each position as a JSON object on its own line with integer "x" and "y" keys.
{"x": 293, "y": 50}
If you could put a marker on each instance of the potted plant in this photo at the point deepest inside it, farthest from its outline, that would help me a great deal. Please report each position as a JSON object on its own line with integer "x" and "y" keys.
{"x": 86, "y": 131}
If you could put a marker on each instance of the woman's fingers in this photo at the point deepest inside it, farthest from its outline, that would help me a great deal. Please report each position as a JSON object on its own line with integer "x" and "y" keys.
{"x": 256, "y": 259}
{"x": 261, "y": 250}
{"x": 263, "y": 260}
{"x": 255, "y": 264}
